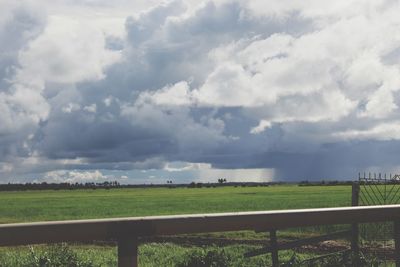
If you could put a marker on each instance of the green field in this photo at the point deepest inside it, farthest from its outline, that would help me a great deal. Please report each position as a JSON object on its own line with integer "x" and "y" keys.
{"x": 28, "y": 206}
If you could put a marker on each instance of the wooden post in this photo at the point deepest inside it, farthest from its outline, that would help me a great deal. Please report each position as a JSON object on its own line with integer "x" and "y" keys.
{"x": 128, "y": 252}
{"x": 355, "y": 191}
{"x": 274, "y": 248}
{"x": 397, "y": 242}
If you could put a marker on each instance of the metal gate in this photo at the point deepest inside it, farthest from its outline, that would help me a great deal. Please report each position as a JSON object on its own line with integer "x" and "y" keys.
{"x": 378, "y": 189}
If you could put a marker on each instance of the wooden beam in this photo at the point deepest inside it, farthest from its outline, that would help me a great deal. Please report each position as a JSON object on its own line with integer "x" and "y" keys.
{"x": 274, "y": 248}
{"x": 128, "y": 252}
{"x": 114, "y": 229}
{"x": 397, "y": 242}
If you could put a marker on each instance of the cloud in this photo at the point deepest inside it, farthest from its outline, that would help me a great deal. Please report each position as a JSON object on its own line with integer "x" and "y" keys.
{"x": 204, "y": 172}
{"x": 382, "y": 132}
{"x": 174, "y": 95}
{"x": 62, "y": 176}
{"x": 261, "y": 127}
{"x": 66, "y": 52}
{"x": 237, "y": 175}
{"x": 181, "y": 166}
{"x": 21, "y": 107}
{"x": 281, "y": 86}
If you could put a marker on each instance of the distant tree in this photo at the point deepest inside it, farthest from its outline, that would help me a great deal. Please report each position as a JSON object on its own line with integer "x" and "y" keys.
{"x": 221, "y": 180}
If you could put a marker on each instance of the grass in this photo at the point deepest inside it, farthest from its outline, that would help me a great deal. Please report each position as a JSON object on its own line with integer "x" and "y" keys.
{"x": 28, "y": 206}
{"x": 168, "y": 255}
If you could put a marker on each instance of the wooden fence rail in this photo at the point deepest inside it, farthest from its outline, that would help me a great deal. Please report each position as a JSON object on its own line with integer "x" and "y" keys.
{"x": 126, "y": 231}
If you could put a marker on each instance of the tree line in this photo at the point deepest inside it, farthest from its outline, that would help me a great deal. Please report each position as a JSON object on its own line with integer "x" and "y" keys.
{"x": 169, "y": 184}
{"x": 58, "y": 186}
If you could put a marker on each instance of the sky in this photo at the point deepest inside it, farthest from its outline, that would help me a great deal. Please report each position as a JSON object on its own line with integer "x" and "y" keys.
{"x": 148, "y": 91}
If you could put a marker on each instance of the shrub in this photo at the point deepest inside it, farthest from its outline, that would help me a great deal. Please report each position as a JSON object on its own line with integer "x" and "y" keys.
{"x": 345, "y": 259}
{"x": 206, "y": 258}
{"x": 59, "y": 255}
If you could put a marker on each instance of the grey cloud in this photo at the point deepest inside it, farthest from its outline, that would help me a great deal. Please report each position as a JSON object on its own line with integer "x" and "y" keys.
{"x": 141, "y": 132}
{"x": 149, "y": 24}
{"x": 238, "y": 67}
{"x": 20, "y": 25}
{"x": 162, "y": 48}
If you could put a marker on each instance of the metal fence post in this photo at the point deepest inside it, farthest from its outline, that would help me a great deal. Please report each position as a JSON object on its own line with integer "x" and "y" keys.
{"x": 397, "y": 242}
{"x": 274, "y": 248}
{"x": 355, "y": 191}
{"x": 128, "y": 252}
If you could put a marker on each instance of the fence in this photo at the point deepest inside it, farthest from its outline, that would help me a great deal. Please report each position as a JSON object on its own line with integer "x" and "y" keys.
{"x": 376, "y": 189}
{"x": 126, "y": 231}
